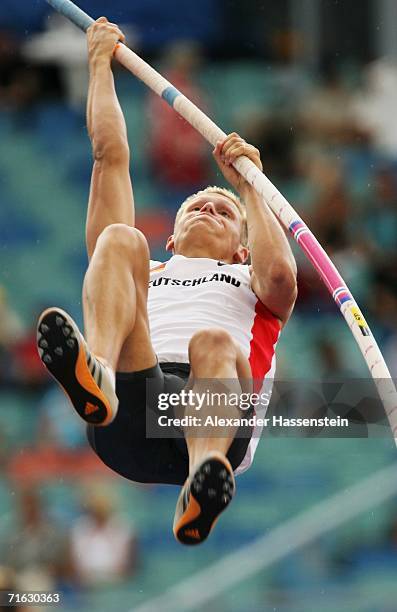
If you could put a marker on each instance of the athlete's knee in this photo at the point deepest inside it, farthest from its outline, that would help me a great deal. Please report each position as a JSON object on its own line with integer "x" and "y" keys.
{"x": 120, "y": 238}
{"x": 212, "y": 343}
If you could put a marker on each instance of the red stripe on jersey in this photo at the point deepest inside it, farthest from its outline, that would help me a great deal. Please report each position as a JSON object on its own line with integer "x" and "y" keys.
{"x": 160, "y": 267}
{"x": 265, "y": 332}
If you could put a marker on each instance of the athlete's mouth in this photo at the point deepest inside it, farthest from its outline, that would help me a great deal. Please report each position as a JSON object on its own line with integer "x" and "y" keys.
{"x": 208, "y": 216}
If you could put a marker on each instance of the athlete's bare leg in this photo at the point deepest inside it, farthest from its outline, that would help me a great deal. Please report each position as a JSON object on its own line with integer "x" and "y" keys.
{"x": 217, "y": 365}
{"x": 116, "y": 322}
{"x": 114, "y": 300}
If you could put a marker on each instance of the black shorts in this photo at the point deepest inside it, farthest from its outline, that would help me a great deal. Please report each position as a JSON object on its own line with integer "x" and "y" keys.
{"x": 123, "y": 445}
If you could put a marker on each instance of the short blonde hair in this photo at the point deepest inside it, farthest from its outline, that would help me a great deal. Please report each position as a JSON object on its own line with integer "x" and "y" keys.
{"x": 227, "y": 193}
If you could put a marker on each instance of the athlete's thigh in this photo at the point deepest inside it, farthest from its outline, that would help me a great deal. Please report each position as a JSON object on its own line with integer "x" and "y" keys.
{"x": 243, "y": 370}
{"x": 137, "y": 352}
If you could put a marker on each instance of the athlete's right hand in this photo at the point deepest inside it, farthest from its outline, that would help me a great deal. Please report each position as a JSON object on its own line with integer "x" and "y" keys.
{"x": 102, "y": 38}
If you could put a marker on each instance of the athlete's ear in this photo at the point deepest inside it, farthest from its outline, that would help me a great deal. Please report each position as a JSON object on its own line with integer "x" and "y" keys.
{"x": 241, "y": 255}
{"x": 169, "y": 246}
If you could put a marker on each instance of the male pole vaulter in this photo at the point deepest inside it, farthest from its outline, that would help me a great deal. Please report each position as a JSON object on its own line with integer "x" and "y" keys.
{"x": 202, "y": 314}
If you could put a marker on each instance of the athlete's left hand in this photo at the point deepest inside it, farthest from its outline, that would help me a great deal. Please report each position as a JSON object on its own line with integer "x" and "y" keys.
{"x": 226, "y": 152}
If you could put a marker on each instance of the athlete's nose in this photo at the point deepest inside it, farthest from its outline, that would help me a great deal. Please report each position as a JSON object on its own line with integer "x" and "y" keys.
{"x": 208, "y": 207}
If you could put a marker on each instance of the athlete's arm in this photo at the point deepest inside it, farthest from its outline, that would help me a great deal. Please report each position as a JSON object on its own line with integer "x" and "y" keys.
{"x": 273, "y": 264}
{"x": 111, "y": 198}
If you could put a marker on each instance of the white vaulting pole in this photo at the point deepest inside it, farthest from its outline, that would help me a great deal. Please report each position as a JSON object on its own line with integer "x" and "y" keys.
{"x": 274, "y": 199}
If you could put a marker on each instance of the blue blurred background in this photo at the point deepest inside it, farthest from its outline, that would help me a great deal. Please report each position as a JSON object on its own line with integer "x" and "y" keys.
{"x": 313, "y": 84}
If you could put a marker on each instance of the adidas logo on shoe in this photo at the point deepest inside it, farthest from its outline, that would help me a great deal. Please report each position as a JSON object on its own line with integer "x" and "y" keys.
{"x": 90, "y": 408}
{"x": 192, "y": 533}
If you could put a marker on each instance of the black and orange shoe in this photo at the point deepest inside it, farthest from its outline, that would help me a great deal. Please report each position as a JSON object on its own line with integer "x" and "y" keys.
{"x": 87, "y": 381}
{"x": 205, "y": 494}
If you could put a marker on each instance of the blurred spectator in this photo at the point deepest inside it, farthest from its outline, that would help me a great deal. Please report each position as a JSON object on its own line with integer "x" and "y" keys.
{"x": 11, "y": 331}
{"x": 8, "y": 583}
{"x": 63, "y": 47}
{"x": 327, "y": 111}
{"x": 291, "y": 78}
{"x": 383, "y": 299}
{"x": 37, "y": 545}
{"x": 18, "y": 82}
{"x": 379, "y": 215}
{"x": 178, "y": 154}
{"x": 28, "y": 369}
{"x": 11, "y": 327}
{"x": 103, "y": 544}
{"x": 19, "y": 361}
{"x": 331, "y": 362}
{"x": 328, "y": 213}
{"x": 375, "y": 105}
{"x": 331, "y": 205}
{"x": 275, "y": 138}
{"x": 5, "y": 447}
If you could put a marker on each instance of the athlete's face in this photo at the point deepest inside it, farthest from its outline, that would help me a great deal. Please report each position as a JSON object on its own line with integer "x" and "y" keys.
{"x": 209, "y": 221}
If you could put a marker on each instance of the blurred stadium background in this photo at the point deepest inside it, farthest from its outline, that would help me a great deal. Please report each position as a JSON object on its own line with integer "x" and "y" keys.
{"x": 313, "y": 84}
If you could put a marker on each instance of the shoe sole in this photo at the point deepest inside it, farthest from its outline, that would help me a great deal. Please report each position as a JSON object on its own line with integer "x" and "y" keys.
{"x": 63, "y": 354}
{"x": 211, "y": 490}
